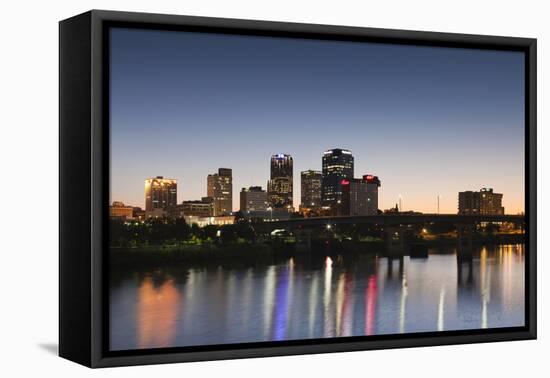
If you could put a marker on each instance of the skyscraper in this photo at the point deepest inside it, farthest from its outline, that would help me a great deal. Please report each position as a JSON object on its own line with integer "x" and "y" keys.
{"x": 253, "y": 199}
{"x": 310, "y": 199}
{"x": 359, "y": 196}
{"x": 373, "y": 183}
{"x": 220, "y": 188}
{"x": 337, "y": 165}
{"x": 484, "y": 202}
{"x": 279, "y": 187}
{"x": 354, "y": 197}
{"x": 160, "y": 193}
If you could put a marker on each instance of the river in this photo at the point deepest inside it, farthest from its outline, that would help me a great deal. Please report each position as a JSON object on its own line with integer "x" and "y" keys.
{"x": 236, "y": 301}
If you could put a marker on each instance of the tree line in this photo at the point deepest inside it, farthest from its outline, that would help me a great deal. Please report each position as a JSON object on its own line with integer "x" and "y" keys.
{"x": 157, "y": 231}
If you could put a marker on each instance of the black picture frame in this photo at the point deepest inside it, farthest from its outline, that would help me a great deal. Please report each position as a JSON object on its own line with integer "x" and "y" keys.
{"x": 84, "y": 189}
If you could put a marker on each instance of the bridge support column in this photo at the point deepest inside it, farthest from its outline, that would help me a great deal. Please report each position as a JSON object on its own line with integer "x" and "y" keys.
{"x": 465, "y": 262}
{"x": 304, "y": 240}
{"x": 395, "y": 240}
{"x": 401, "y": 267}
{"x": 465, "y": 238}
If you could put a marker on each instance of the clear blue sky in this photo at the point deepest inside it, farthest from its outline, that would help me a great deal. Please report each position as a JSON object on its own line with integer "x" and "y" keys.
{"x": 426, "y": 120}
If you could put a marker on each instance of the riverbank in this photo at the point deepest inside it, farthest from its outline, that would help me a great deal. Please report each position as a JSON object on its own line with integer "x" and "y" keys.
{"x": 269, "y": 250}
{"x": 199, "y": 252}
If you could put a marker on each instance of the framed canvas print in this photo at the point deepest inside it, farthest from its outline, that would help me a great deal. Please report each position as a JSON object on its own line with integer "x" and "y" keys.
{"x": 234, "y": 188}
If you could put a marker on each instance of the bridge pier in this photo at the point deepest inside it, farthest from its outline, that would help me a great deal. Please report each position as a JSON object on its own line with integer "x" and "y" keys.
{"x": 303, "y": 239}
{"x": 395, "y": 239}
{"x": 401, "y": 267}
{"x": 465, "y": 263}
{"x": 465, "y": 238}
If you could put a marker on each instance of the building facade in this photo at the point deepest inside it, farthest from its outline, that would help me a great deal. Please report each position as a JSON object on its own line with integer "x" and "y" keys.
{"x": 279, "y": 187}
{"x": 310, "y": 199}
{"x": 337, "y": 165}
{"x": 253, "y": 199}
{"x": 484, "y": 202}
{"x": 359, "y": 196}
{"x": 373, "y": 183}
{"x": 160, "y": 193}
{"x": 119, "y": 210}
{"x": 220, "y": 189}
{"x": 138, "y": 213}
{"x": 199, "y": 208}
{"x": 209, "y": 221}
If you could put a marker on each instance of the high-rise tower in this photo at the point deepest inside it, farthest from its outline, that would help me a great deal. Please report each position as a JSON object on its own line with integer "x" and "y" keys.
{"x": 160, "y": 193}
{"x": 311, "y": 190}
{"x": 337, "y": 165}
{"x": 220, "y": 189}
{"x": 279, "y": 187}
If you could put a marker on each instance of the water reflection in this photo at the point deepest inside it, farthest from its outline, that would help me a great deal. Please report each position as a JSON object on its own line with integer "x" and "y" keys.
{"x": 370, "y": 305}
{"x": 315, "y": 297}
{"x": 157, "y": 313}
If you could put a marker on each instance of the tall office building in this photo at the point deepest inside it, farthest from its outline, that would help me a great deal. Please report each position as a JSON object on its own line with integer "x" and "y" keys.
{"x": 220, "y": 188}
{"x": 310, "y": 199}
{"x": 253, "y": 199}
{"x": 337, "y": 165}
{"x": 373, "y": 183}
{"x": 160, "y": 194}
{"x": 484, "y": 202}
{"x": 359, "y": 196}
{"x": 279, "y": 187}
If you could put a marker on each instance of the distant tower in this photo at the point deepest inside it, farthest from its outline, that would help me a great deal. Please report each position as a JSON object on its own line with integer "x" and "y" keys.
{"x": 220, "y": 189}
{"x": 359, "y": 196}
{"x": 311, "y": 190}
{"x": 279, "y": 187}
{"x": 337, "y": 165}
{"x": 373, "y": 183}
{"x": 160, "y": 193}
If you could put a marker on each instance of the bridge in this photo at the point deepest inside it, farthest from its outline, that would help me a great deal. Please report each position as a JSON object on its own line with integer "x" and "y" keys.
{"x": 394, "y": 226}
{"x": 392, "y": 220}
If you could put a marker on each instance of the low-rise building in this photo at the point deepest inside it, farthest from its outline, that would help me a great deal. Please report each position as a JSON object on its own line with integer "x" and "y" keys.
{"x": 483, "y": 202}
{"x": 138, "y": 213}
{"x": 253, "y": 199}
{"x": 119, "y": 210}
{"x": 157, "y": 213}
{"x": 199, "y": 208}
{"x": 208, "y": 221}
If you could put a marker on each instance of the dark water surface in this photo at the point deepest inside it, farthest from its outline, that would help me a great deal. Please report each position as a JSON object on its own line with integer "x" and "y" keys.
{"x": 300, "y": 297}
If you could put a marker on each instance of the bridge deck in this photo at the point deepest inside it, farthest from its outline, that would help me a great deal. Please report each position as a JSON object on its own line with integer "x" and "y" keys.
{"x": 393, "y": 220}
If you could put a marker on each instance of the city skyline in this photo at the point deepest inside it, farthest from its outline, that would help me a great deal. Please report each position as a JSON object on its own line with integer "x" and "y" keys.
{"x": 258, "y": 188}
{"x": 463, "y": 132}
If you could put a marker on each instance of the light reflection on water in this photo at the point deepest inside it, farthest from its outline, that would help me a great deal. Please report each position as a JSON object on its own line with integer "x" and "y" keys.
{"x": 316, "y": 297}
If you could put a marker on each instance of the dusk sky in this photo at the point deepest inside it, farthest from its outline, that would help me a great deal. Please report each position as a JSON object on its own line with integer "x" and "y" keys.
{"x": 426, "y": 120}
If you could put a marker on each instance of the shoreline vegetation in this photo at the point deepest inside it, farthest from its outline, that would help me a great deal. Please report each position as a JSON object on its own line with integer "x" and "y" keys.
{"x": 285, "y": 247}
